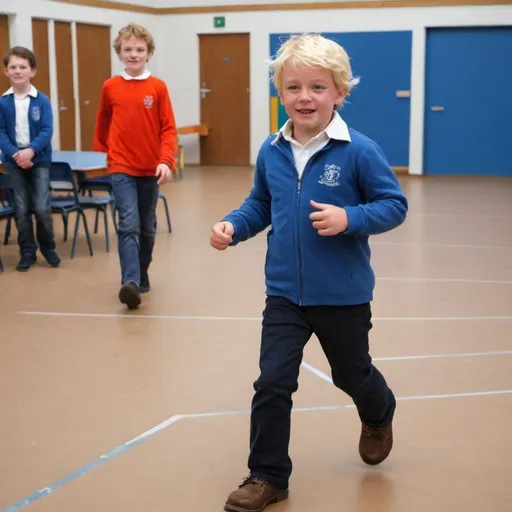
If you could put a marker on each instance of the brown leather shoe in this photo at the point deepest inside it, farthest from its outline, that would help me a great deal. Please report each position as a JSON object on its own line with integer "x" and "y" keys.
{"x": 254, "y": 495}
{"x": 375, "y": 444}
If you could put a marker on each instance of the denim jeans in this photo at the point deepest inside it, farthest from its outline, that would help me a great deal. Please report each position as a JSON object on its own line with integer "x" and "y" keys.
{"x": 31, "y": 189}
{"x": 135, "y": 199}
{"x": 343, "y": 335}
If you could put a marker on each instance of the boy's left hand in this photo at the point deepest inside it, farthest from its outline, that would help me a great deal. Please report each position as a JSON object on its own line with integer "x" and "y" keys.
{"x": 23, "y": 158}
{"x": 164, "y": 173}
{"x": 329, "y": 220}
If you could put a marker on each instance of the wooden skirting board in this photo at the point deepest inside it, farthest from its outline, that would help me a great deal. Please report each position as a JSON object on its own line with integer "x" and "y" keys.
{"x": 371, "y": 4}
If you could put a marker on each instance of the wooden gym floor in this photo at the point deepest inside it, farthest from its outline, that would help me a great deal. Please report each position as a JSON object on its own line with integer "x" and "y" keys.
{"x": 104, "y": 410}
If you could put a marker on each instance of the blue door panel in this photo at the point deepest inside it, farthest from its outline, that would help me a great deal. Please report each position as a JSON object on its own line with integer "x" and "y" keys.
{"x": 383, "y": 62}
{"x": 468, "y": 101}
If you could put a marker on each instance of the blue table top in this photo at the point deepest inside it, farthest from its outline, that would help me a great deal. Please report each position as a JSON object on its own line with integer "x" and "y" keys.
{"x": 81, "y": 160}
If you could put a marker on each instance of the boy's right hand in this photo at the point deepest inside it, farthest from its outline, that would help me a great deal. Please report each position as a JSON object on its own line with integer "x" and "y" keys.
{"x": 23, "y": 158}
{"x": 222, "y": 235}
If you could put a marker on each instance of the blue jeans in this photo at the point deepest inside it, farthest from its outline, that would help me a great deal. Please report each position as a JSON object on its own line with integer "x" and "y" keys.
{"x": 343, "y": 335}
{"x": 31, "y": 189}
{"x": 135, "y": 199}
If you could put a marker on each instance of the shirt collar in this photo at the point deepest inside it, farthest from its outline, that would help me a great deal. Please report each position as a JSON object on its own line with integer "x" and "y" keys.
{"x": 32, "y": 92}
{"x": 336, "y": 129}
{"x": 144, "y": 76}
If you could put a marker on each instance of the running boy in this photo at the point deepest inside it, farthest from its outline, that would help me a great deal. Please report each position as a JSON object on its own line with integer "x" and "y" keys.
{"x": 26, "y": 129}
{"x": 136, "y": 128}
{"x": 324, "y": 188}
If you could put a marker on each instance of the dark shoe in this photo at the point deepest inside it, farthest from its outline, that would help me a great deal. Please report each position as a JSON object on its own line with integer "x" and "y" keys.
{"x": 52, "y": 258}
{"x": 129, "y": 294}
{"x": 26, "y": 261}
{"x": 144, "y": 286}
{"x": 254, "y": 495}
{"x": 375, "y": 444}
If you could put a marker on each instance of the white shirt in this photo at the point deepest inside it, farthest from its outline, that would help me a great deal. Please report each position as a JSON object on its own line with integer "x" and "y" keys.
{"x": 21, "y": 106}
{"x": 336, "y": 129}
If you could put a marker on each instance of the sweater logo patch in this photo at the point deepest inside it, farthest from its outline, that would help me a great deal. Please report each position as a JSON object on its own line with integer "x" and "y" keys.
{"x": 36, "y": 113}
{"x": 148, "y": 101}
{"x": 330, "y": 176}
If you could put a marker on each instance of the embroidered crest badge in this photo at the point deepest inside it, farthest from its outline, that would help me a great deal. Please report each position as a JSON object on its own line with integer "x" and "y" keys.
{"x": 330, "y": 176}
{"x": 36, "y": 113}
{"x": 148, "y": 101}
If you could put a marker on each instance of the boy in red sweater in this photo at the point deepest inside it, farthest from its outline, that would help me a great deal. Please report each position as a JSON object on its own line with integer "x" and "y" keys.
{"x": 135, "y": 126}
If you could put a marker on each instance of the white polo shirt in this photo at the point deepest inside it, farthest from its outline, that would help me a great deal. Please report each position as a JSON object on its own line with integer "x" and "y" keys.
{"x": 143, "y": 76}
{"x": 336, "y": 129}
{"x": 21, "y": 105}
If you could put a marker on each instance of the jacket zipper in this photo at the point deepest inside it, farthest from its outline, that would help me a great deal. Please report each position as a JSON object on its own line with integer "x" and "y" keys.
{"x": 296, "y": 216}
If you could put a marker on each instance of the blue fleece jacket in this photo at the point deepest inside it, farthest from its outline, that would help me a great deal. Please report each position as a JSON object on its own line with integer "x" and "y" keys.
{"x": 301, "y": 265}
{"x": 40, "y": 120}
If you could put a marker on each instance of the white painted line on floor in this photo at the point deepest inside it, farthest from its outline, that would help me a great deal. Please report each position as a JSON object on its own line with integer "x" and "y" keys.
{"x": 41, "y": 493}
{"x": 318, "y": 373}
{"x": 444, "y": 280}
{"x": 439, "y": 246}
{"x": 256, "y": 319}
{"x": 458, "y": 215}
{"x": 443, "y": 356}
{"x": 443, "y": 246}
{"x": 137, "y": 315}
{"x": 325, "y": 377}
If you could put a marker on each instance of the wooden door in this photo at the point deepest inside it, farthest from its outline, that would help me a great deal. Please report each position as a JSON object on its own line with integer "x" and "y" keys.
{"x": 40, "y": 48}
{"x": 64, "y": 58}
{"x": 224, "y": 82}
{"x": 94, "y": 67}
{"x": 4, "y": 47}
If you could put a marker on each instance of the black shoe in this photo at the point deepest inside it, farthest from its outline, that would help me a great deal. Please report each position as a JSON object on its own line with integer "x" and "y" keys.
{"x": 144, "y": 286}
{"x": 129, "y": 294}
{"x": 26, "y": 261}
{"x": 52, "y": 258}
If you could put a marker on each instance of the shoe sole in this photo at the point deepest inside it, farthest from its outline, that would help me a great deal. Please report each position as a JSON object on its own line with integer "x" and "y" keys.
{"x": 25, "y": 269}
{"x": 128, "y": 297}
{"x": 271, "y": 501}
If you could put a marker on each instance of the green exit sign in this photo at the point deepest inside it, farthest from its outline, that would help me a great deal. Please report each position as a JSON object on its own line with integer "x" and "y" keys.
{"x": 219, "y": 21}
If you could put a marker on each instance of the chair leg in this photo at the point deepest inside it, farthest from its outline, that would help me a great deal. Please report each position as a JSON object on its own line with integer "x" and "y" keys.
{"x": 96, "y": 219}
{"x": 2, "y": 268}
{"x": 87, "y": 234}
{"x": 65, "y": 225}
{"x": 7, "y": 230}
{"x": 75, "y": 235}
{"x": 107, "y": 238}
{"x": 164, "y": 199}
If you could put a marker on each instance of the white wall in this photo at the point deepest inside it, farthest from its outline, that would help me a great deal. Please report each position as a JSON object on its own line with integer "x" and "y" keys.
{"x": 178, "y": 64}
{"x": 21, "y": 13}
{"x": 177, "y": 49}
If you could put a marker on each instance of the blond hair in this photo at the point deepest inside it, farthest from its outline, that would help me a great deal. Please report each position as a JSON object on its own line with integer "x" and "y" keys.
{"x": 315, "y": 51}
{"x": 137, "y": 31}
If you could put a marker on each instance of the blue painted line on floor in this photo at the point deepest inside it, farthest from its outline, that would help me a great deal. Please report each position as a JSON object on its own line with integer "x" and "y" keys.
{"x": 98, "y": 462}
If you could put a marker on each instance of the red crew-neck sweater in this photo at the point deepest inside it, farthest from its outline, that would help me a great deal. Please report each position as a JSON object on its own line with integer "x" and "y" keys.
{"x": 135, "y": 126}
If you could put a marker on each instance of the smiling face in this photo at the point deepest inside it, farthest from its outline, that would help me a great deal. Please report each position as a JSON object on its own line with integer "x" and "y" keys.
{"x": 134, "y": 54}
{"x": 309, "y": 96}
{"x": 19, "y": 72}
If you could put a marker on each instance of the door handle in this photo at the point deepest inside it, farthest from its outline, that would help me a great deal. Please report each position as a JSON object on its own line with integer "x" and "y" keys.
{"x": 204, "y": 92}
{"x": 437, "y": 109}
